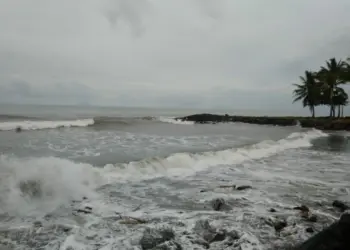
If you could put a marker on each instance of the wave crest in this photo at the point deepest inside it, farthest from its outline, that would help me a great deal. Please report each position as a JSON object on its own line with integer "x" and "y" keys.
{"x": 36, "y": 125}
{"x": 54, "y": 180}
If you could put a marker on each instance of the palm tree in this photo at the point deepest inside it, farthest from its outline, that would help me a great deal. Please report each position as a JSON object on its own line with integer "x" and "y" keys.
{"x": 331, "y": 76}
{"x": 308, "y": 91}
{"x": 340, "y": 99}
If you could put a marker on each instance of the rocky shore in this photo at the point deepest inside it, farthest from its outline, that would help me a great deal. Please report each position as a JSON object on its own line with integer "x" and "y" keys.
{"x": 322, "y": 123}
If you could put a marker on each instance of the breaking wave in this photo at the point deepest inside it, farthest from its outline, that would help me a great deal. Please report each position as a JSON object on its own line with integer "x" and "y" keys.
{"x": 96, "y": 122}
{"x": 36, "y": 125}
{"x": 55, "y": 180}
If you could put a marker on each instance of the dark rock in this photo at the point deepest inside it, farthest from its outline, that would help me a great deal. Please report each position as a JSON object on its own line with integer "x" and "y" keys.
{"x": 272, "y": 210}
{"x": 243, "y": 187}
{"x": 334, "y": 237}
{"x": 153, "y": 237}
{"x": 319, "y": 123}
{"x": 219, "y": 204}
{"x": 341, "y": 205}
{"x": 18, "y": 129}
{"x": 312, "y": 218}
{"x": 207, "y": 232}
{"x": 233, "y": 235}
{"x": 170, "y": 245}
{"x": 203, "y": 225}
{"x": 202, "y": 243}
{"x": 345, "y": 219}
{"x": 302, "y": 208}
{"x": 88, "y": 208}
{"x": 309, "y": 230}
{"x": 83, "y": 211}
{"x": 219, "y": 236}
{"x": 37, "y": 224}
{"x": 279, "y": 225}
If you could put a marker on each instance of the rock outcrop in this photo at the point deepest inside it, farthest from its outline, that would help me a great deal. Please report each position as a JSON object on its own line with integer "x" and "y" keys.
{"x": 323, "y": 123}
{"x": 335, "y": 237}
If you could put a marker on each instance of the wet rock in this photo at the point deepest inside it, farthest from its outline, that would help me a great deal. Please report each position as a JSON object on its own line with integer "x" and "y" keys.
{"x": 219, "y": 204}
{"x": 37, "y": 224}
{"x": 201, "y": 242}
{"x": 341, "y": 205}
{"x": 279, "y": 225}
{"x": 207, "y": 232}
{"x": 203, "y": 225}
{"x": 83, "y": 211}
{"x": 334, "y": 237}
{"x": 345, "y": 219}
{"x": 170, "y": 245}
{"x": 233, "y": 235}
{"x": 18, "y": 129}
{"x": 312, "y": 218}
{"x": 309, "y": 230}
{"x": 219, "y": 236}
{"x": 272, "y": 210}
{"x": 302, "y": 208}
{"x": 243, "y": 187}
{"x": 153, "y": 237}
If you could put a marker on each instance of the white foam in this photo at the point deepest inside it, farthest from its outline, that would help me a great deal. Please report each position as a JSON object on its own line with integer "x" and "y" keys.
{"x": 181, "y": 164}
{"x": 55, "y": 181}
{"x": 35, "y": 125}
{"x": 173, "y": 120}
{"x": 61, "y": 180}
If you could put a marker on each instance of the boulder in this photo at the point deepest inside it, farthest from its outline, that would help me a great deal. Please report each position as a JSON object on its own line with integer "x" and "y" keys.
{"x": 312, "y": 218}
{"x": 309, "y": 230}
{"x": 201, "y": 242}
{"x": 334, "y": 237}
{"x": 279, "y": 225}
{"x": 153, "y": 237}
{"x": 340, "y": 205}
{"x": 302, "y": 208}
{"x": 208, "y": 233}
{"x": 169, "y": 245}
{"x": 243, "y": 187}
{"x": 219, "y": 204}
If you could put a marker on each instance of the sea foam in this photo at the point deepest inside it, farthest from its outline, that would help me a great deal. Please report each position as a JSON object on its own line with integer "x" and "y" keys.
{"x": 36, "y": 125}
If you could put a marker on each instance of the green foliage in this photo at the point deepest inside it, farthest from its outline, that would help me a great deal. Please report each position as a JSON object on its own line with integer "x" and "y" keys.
{"x": 322, "y": 87}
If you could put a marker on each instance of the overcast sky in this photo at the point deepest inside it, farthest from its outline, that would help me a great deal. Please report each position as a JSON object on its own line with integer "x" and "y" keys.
{"x": 180, "y": 53}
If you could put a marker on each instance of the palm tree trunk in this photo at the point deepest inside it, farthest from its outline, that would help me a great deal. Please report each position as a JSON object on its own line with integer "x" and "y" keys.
{"x": 313, "y": 111}
{"x": 338, "y": 111}
{"x": 331, "y": 102}
{"x": 342, "y": 111}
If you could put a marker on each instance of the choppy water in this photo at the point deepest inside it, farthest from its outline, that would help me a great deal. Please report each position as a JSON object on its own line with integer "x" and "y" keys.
{"x": 144, "y": 164}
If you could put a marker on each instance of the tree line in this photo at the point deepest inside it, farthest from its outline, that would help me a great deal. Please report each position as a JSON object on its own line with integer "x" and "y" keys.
{"x": 323, "y": 87}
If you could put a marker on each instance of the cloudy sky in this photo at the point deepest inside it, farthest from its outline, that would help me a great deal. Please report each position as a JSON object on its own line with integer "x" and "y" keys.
{"x": 173, "y": 53}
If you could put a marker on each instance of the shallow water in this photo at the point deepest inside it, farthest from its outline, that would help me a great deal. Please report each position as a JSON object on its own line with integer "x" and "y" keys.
{"x": 145, "y": 164}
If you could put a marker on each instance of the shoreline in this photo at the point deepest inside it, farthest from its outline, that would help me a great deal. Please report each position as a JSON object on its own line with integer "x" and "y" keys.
{"x": 322, "y": 123}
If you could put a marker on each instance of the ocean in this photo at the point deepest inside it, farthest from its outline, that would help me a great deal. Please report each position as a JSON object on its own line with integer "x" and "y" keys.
{"x": 75, "y": 177}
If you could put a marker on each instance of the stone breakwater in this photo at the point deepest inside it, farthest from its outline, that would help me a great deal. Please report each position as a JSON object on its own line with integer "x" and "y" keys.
{"x": 322, "y": 123}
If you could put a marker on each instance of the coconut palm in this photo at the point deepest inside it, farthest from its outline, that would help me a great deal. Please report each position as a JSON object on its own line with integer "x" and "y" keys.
{"x": 331, "y": 76}
{"x": 340, "y": 99}
{"x": 308, "y": 91}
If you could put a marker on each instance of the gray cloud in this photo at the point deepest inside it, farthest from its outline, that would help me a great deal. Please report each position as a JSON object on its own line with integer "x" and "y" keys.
{"x": 198, "y": 53}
